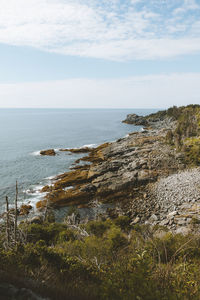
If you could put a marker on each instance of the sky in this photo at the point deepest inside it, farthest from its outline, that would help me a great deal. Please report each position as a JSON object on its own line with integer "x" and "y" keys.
{"x": 99, "y": 53}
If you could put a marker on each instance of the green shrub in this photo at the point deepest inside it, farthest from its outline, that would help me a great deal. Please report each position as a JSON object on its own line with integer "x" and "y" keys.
{"x": 49, "y": 232}
{"x": 111, "y": 263}
{"x": 97, "y": 228}
{"x": 123, "y": 222}
{"x": 116, "y": 238}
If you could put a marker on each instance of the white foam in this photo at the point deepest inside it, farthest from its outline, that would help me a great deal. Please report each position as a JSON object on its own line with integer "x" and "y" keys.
{"x": 32, "y": 201}
{"x": 68, "y": 188}
{"x": 50, "y": 177}
{"x": 35, "y": 190}
{"x": 36, "y": 195}
{"x": 36, "y": 153}
{"x": 88, "y": 146}
{"x": 38, "y": 187}
{"x": 84, "y": 146}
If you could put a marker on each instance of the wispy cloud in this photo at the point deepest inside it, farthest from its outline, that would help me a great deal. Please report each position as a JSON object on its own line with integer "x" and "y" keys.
{"x": 108, "y": 29}
{"x": 153, "y": 91}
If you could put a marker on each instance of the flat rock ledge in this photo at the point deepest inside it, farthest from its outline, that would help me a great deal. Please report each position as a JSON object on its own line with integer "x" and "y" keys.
{"x": 77, "y": 150}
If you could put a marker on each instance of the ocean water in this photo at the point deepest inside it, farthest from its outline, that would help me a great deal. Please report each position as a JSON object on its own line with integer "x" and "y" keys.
{"x": 24, "y": 132}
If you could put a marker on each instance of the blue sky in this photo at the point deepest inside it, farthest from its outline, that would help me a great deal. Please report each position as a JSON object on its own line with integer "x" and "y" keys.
{"x": 91, "y": 53}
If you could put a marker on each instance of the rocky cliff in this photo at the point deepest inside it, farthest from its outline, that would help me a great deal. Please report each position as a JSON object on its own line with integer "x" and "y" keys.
{"x": 151, "y": 175}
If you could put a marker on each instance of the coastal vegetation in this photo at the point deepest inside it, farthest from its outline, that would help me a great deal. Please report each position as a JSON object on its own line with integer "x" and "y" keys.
{"x": 186, "y": 135}
{"x": 104, "y": 259}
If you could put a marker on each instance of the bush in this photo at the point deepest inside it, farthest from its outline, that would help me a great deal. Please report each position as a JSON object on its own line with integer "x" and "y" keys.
{"x": 123, "y": 222}
{"x": 97, "y": 228}
{"x": 48, "y": 232}
{"x": 116, "y": 238}
{"x": 111, "y": 263}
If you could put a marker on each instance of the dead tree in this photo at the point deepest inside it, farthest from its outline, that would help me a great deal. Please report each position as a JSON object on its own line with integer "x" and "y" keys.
{"x": 15, "y": 221}
{"x": 7, "y": 222}
{"x": 13, "y": 234}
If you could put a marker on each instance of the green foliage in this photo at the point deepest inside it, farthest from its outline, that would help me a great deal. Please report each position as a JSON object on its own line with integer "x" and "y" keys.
{"x": 114, "y": 262}
{"x": 195, "y": 221}
{"x": 192, "y": 151}
{"x": 176, "y": 113}
{"x": 169, "y": 137}
{"x": 72, "y": 210}
{"x": 50, "y": 217}
{"x": 123, "y": 222}
{"x": 49, "y": 232}
{"x": 186, "y": 136}
{"x": 116, "y": 238}
{"x": 98, "y": 228}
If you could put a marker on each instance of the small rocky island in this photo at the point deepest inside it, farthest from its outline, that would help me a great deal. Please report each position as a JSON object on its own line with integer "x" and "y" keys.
{"x": 49, "y": 152}
{"x": 152, "y": 175}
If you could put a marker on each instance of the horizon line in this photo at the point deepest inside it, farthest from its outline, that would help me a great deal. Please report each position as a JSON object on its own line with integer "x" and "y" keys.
{"x": 81, "y": 108}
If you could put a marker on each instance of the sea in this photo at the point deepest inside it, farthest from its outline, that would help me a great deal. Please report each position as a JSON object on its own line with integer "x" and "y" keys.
{"x": 24, "y": 132}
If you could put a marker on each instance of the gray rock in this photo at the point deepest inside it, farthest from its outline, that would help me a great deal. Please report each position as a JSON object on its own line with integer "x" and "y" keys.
{"x": 135, "y": 221}
{"x": 172, "y": 214}
{"x": 164, "y": 222}
{"x": 181, "y": 221}
{"x": 153, "y": 218}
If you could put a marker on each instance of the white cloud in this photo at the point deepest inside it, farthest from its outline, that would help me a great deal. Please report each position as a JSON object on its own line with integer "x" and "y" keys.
{"x": 187, "y": 5}
{"x": 135, "y": 49}
{"x": 109, "y": 29}
{"x": 153, "y": 91}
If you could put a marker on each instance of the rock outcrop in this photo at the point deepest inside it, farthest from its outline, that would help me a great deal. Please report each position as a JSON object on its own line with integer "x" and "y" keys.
{"x": 116, "y": 171}
{"x": 25, "y": 209}
{"x": 77, "y": 150}
{"x": 136, "y": 120}
{"x": 50, "y": 152}
{"x": 143, "y": 174}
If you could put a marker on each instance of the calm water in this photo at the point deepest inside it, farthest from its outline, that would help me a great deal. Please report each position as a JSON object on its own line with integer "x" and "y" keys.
{"x": 24, "y": 132}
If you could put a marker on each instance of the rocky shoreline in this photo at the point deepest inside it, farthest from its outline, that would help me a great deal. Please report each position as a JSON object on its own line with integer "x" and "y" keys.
{"x": 141, "y": 175}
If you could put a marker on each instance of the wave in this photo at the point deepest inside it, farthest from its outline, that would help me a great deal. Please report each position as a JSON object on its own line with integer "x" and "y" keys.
{"x": 34, "y": 195}
{"x": 89, "y": 146}
{"x": 50, "y": 177}
{"x": 35, "y": 153}
{"x": 81, "y": 147}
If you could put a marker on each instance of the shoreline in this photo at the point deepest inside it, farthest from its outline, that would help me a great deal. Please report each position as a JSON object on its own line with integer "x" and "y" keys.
{"x": 61, "y": 187}
{"x": 125, "y": 173}
{"x": 131, "y": 175}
